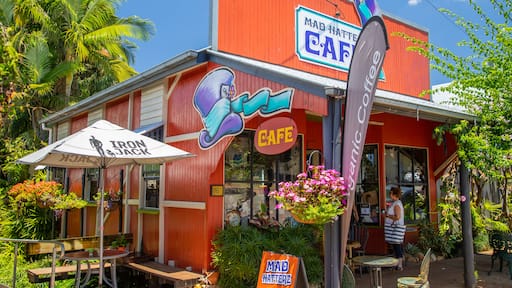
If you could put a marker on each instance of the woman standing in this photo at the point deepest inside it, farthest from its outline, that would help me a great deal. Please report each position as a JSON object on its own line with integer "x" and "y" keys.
{"x": 394, "y": 228}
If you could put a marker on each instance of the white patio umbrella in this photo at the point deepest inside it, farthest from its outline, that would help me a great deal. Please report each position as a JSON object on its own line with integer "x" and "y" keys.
{"x": 103, "y": 145}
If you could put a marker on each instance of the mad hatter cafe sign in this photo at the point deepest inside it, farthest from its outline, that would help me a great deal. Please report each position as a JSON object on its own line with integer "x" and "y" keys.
{"x": 324, "y": 40}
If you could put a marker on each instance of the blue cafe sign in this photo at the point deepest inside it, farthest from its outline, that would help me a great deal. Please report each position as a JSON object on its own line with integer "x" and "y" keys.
{"x": 324, "y": 40}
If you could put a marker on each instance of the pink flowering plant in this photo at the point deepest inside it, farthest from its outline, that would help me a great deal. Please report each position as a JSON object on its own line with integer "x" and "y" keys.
{"x": 318, "y": 197}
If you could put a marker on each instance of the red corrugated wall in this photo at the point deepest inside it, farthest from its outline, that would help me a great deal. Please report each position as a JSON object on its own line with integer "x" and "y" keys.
{"x": 265, "y": 30}
{"x": 190, "y": 179}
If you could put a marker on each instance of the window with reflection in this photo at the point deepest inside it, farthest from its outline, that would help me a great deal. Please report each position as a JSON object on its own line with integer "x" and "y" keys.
{"x": 91, "y": 184}
{"x": 151, "y": 179}
{"x": 151, "y": 172}
{"x": 250, "y": 176}
{"x": 407, "y": 168}
{"x": 58, "y": 175}
{"x": 367, "y": 189}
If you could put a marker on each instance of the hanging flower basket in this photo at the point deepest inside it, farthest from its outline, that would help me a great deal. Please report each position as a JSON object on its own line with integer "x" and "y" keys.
{"x": 111, "y": 200}
{"x": 318, "y": 196}
{"x": 44, "y": 195}
{"x": 299, "y": 218}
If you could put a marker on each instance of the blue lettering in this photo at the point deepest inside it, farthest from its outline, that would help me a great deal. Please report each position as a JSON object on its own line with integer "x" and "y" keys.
{"x": 312, "y": 39}
{"x": 277, "y": 266}
{"x": 329, "y": 48}
{"x": 344, "y": 52}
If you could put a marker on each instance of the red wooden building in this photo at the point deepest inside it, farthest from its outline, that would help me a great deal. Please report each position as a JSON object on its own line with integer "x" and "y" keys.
{"x": 273, "y": 65}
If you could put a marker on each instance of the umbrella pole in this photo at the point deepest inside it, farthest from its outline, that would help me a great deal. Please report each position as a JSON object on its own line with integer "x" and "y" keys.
{"x": 102, "y": 211}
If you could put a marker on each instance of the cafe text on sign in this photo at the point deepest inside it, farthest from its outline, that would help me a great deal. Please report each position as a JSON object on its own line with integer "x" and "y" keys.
{"x": 276, "y": 135}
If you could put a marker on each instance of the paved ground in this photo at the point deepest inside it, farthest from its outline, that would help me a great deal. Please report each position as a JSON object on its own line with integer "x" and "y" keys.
{"x": 447, "y": 273}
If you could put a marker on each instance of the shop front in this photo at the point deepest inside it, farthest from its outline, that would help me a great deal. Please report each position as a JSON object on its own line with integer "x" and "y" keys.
{"x": 250, "y": 108}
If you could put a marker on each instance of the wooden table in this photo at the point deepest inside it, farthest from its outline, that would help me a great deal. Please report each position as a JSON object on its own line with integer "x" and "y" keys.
{"x": 375, "y": 263}
{"x": 109, "y": 258}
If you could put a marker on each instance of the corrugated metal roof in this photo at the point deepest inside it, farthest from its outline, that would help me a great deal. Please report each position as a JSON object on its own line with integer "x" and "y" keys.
{"x": 384, "y": 100}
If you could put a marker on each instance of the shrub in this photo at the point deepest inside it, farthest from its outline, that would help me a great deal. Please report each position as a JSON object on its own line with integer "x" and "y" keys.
{"x": 238, "y": 250}
{"x": 430, "y": 237}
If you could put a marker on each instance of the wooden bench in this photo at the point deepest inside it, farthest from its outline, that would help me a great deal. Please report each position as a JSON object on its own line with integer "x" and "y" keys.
{"x": 179, "y": 277}
{"x": 67, "y": 271}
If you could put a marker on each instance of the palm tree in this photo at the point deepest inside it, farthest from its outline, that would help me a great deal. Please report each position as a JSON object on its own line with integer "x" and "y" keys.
{"x": 84, "y": 32}
{"x": 53, "y": 50}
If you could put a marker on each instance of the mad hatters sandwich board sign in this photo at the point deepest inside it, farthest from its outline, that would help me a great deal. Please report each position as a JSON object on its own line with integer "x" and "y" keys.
{"x": 281, "y": 270}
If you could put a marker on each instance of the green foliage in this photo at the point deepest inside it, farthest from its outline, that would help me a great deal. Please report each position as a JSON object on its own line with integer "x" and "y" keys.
{"x": 119, "y": 242}
{"x": 11, "y": 150}
{"x": 481, "y": 242}
{"x": 53, "y": 53}
{"x": 30, "y": 209}
{"x": 495, "y": 219}
{"x": 238, "y": 250}
{"x": 23, "y": 264}
{"x": 430, "y": 237}
{"x": 411, "y": 249}
{"x": 481, "y": 86}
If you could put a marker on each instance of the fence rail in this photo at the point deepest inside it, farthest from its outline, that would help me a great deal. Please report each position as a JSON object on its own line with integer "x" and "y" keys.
{"x": 54, "y": 255}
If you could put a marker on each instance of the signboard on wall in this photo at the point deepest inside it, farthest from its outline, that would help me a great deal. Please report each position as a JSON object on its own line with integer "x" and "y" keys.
{"x": 281, "y": 270}
{"x": 324, "y": 40}
{"x": 275, "y": 136}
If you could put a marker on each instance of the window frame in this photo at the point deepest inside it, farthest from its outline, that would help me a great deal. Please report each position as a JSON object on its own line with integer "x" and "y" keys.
{"x": 156, "y": 132}
{"x": 145, "y": 179}
{"x": 420, "y": 180}
{"x": 92, "y": 180}
{"x": 362, "y": 190}
{"x": 257, "y": 180}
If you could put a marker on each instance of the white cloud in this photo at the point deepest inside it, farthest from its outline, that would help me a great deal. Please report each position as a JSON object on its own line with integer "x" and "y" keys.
{"x": 413, "y": 2}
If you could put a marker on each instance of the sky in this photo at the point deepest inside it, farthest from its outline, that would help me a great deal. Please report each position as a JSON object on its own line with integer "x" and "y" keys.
{"x": 183, "y": 25}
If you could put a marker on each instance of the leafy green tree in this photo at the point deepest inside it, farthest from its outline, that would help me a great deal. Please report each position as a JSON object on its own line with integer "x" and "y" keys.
{"x": 56, "y": 52}
{"x": 84, "y": 32}
{"x": 481, "y": 84}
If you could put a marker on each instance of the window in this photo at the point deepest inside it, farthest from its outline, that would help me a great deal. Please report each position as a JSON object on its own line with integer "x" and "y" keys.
{"x": 151, "y": 172}
{"x": 250, "y": 176}
{"x": 151, "y": 176}
{"x": 58, "y": 175}
{"x": 367, "y": 189}
{"x": 407, "y": 169}
{"x": 92, "y": 184}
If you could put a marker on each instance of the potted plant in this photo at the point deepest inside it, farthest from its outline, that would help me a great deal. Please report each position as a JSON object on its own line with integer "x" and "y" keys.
{"x": 317, "y": 196}
{"x": 120, "y": 243}
{"x": 111, "y": 199}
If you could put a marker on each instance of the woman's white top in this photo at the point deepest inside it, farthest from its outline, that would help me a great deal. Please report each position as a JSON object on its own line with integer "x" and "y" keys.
{"x": 391, "y": 211}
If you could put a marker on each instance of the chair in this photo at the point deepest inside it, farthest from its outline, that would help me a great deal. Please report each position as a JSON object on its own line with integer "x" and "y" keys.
{"x": 420, "y": 281}
{"x": 348, "y": 280}
{"x": 497, "y": 241}
{"x": 361, "y": 236}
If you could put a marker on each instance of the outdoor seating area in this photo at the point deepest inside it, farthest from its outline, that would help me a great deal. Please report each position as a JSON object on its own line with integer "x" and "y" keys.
{"x": 63, "y": 253}
{"x": 69, "y": 269}
{"x": 78, "y": 258}
{"x": 446, "y": 273}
